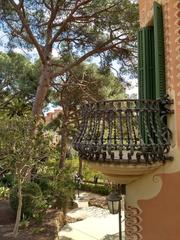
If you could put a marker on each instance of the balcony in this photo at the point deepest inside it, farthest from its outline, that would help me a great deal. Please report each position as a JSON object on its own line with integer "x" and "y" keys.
{"x": 125, "y": 139}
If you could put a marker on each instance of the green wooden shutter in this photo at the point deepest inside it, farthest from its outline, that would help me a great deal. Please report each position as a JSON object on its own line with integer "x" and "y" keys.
{"x": 141, "y": 81}
{"x": 140, "y": 65}
{"x": 159, "y": 51}
{"x": 146, "y": 70}
{"x": 146, "y": 63}
{"x": 149, "y": 64}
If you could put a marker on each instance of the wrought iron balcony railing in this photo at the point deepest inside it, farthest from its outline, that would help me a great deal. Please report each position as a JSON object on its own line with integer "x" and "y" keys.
{"x": 124, "y": 131}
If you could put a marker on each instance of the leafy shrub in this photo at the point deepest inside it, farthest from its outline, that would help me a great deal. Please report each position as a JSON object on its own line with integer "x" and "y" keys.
{"x": 45, "y": 182}
{"x": 63, "y": 187}
{"x": 57, "y": 185}
{"x": 94, "y": 188}
{"x": 33, "y": 202}
{"x": 87, "y": 172}
{"x": 8, "y": 179}
{"x": 4, "y": 191}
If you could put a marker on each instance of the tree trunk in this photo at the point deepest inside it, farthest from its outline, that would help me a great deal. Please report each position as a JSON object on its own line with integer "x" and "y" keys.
{"x": 18, "y": 214}
{"x": 41, "y": 93}
{"x": 64, "y": 143}
{"x": 80, "y": 167}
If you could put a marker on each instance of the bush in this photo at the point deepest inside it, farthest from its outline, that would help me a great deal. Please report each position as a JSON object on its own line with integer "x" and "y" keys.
{"x": 4, "y": 191}
{"x": 33, "y": 203}
{"x": 57, "y": 185}
{"x": 45, "y": 183}
{"x": 8, "y": 180}
{"x": 99, "y": 189}
{"x": 63, "y": 187}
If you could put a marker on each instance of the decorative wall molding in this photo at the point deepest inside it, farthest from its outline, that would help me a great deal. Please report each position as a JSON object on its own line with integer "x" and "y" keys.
{"x": 168, "y": 49}
{"x": 133, "y": 223}
{"x": 176, "y": 8}
{"x": 152, "y": 188}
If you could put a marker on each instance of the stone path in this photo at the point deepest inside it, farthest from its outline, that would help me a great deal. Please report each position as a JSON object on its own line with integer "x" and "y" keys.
{"x": 93, "y": 223}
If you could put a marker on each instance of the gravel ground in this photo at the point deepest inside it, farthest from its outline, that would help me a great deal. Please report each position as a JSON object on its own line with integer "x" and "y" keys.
{"x": 93, "y": 223}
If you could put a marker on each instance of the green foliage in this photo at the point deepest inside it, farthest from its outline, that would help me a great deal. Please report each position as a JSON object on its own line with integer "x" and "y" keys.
{"x": 8, "y": 179}
{"x": 88, "y": 173}
{"x": 4, "y": 191}
{"x": 24, "y": 223}
{"x": 63, "y": 187}
{"x": 87, "y": 83}
{"x": 18, "y": 82}
{"x": 21, "y": 148}
{"x": 105, "y": 26}
{"x": 33, "y": 204}
{"x": 95, "y": 188}
{"x": 57, "y": 185}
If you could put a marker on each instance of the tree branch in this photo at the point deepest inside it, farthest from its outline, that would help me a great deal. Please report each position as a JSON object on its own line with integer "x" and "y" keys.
{"x": 104, "y": 47}
{"x": 28, "y": 30}
{"x": 65, "y": 22}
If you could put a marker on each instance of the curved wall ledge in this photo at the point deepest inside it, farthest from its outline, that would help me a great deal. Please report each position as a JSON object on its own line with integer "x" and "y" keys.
{"x": 124, "y": 173}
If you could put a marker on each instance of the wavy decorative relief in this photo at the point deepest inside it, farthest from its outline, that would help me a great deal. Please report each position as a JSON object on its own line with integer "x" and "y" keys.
{"x": 168, "y": 49}
{"x": 155, "y": 193}
{"x": 177, "y": 44}
{"x": 133, "y": 223}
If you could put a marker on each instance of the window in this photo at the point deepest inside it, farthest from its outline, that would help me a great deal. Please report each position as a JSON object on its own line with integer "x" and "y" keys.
{"x": 152, "y": 83}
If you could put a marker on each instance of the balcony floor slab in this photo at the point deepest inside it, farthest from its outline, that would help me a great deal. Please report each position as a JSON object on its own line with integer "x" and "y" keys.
{"x": 124, "y": 173}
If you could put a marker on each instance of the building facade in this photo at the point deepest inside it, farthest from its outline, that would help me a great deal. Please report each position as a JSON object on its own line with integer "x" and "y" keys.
{"x": 153, "y": 201}
{"x": 137, "y": 142}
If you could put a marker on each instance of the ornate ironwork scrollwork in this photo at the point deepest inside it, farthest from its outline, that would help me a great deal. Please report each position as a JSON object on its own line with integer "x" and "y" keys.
{"x": 125, "y": 131}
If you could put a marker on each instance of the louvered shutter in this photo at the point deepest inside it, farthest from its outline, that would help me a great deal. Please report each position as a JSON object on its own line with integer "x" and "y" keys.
{"x": 140, "y": 65}
{"x": 146, "y": 70}
{"x": 159, "y": 51}
{"x": 141, "y": 80}
{"x": 146, "y": 63}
